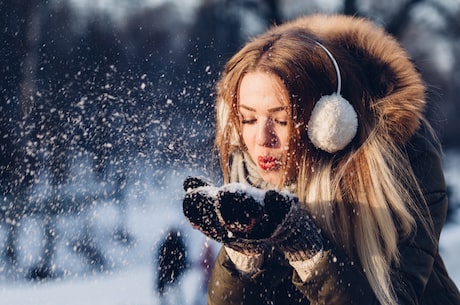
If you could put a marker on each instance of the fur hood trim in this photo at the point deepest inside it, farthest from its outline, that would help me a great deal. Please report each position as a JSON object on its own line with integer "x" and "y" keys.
{"x": 398, "y": 92}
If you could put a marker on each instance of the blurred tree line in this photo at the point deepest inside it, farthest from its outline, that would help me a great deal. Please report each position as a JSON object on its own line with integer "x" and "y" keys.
{"x": 139, "y": 89}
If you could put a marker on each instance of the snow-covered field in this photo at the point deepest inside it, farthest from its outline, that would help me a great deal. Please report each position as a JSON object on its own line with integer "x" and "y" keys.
{"x": 130, "y": 281}
{"x": 131, "y": 277}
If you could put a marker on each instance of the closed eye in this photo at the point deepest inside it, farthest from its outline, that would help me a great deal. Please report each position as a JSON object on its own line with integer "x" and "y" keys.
{"x": 281, "y": 122}
{"x": 248, "y": 121}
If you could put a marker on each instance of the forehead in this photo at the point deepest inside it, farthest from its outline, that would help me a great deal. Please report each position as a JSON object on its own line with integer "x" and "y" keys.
{"x": 262, "y": 90}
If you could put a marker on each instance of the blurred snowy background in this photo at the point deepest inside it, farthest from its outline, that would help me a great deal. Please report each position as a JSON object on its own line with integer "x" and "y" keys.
{"x": 106, "y": 106}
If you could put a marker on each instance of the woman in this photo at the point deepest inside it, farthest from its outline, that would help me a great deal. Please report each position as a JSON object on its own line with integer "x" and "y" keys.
{"x": 334, "y": 192}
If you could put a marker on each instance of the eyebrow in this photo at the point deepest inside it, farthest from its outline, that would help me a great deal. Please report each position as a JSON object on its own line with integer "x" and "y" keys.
{"x": 271, "y": 110}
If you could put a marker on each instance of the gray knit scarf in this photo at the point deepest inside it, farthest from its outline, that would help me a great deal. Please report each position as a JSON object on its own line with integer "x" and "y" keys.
{"x": 244, "y": 170}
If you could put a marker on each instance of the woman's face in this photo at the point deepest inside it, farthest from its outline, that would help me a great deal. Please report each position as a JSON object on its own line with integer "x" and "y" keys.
{"x": 265, "y": 123}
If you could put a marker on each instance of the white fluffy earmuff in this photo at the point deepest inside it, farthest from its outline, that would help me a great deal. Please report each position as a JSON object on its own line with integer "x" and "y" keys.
{"x": 333, "y": 121}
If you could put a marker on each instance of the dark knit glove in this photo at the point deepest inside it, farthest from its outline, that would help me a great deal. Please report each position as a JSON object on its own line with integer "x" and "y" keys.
{"x": 203, "y": 209}
{"x": 248, "y": 219}
{"x": 297, "y": 236}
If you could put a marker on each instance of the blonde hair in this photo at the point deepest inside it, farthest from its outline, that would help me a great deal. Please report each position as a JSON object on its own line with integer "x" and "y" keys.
{"x": 365, "y": 197}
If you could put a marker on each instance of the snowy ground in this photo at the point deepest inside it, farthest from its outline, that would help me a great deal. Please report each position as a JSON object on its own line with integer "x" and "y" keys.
{"x": 131, "y": 280}
{"x": 133, "y": 285}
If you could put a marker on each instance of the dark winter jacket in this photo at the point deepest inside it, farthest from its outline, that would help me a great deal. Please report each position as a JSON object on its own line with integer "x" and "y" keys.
{"x": 421, "y": 277}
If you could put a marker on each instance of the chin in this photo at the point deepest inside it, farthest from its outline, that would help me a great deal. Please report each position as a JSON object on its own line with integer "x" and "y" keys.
{"x": 271, "y": 177}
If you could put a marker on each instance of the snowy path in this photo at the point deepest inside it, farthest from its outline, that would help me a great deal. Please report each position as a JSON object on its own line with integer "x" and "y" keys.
{"x": 131, "y": 286}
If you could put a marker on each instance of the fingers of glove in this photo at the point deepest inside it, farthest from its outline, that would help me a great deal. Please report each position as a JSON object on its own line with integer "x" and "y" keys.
{"x": 194, "y": 182}
{"x": 239, "y": 210}
{"x": 299, "y": 236}
{"x": 298, "y": 229}
{"x": 302, "y": 227}
{"x": 245, "y": 215}
{"x": 278, "y": 205}
{"x": 309, "y": 232}
{"x": 199, "y": 208}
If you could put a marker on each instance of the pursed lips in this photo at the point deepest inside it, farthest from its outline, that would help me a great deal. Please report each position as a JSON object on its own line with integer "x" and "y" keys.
{"x": 268, "y": 162}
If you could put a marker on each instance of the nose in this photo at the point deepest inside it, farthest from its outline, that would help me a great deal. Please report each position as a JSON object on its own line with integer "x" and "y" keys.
{"x": 266, "y": 133}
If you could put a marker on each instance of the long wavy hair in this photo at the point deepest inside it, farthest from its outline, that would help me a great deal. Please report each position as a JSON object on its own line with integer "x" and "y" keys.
{"x": 363, "y": 197}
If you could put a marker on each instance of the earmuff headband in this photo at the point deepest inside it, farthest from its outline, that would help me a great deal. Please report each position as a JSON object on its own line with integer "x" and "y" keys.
{"x": 333, "y": 121}
{"x": 336, "y": 66}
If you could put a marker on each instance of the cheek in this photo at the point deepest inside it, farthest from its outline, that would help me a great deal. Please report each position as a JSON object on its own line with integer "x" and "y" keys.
{"x": 284, "y": 138}
{"x": 248, "y": 137}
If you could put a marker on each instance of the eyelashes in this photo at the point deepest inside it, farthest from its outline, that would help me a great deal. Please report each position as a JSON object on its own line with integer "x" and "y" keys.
{"x": 281, "y": 122}
{"x": 248, "y": 121}
{"x": 253, "y": 121}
